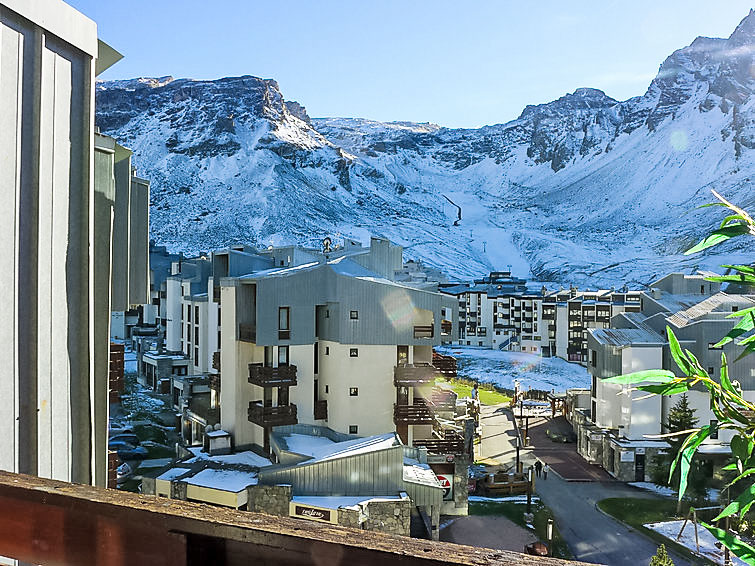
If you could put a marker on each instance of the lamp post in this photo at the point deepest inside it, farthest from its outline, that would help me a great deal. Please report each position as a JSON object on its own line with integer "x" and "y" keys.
{"x": 530, "y": 477}
{"x": 549, "y": 536}
{"x": 518, "y": 442}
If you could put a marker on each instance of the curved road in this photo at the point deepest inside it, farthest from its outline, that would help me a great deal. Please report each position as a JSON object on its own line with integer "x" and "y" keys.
{"x": 593, "y": 536}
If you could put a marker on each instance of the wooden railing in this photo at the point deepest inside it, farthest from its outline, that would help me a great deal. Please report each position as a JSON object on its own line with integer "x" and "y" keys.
{"x": 51, "y": 522}
{"x": 272, "y": 416}
{"x": 216, "y": 360}
{"x": 413, "y": 375}
{"x": 445, "y": 365}
{"x": 446, "y": 327}
{"x": 282, "y": 376}
{"x": 452, "y": 443}
{"x": 321, "y": 410}
{"x": 418, "y": 413}
{"x": 215, "y": 381}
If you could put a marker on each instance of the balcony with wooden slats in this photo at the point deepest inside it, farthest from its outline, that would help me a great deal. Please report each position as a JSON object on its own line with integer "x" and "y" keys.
{"x": 272, "y": 416}
{"x": 282, "y": 376}
{"x": 451, "y": 443}
{"x": 413, "y": 375}
{"x": 417, "y": 414}
{"x": 445, "y": 365}
{"x": 424, "y": 331}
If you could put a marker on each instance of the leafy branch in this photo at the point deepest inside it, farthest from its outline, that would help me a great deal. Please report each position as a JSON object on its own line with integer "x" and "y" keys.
{"x": 732, "y": 410}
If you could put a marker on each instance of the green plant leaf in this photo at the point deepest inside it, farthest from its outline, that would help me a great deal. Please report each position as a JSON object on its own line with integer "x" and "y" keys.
{"x": 719, "y": 236}
{"x": 743, "y": 475}
{"x": 741, "y": 550}
{"x": 666, "y": 388}
{"x": 741, "y": 447}
{"x": 651, "y": 375}
{"x": 725, "y": 381}
{"x": 743, "y": 327}
{"x": 676, "y": 352}
{"x": 684, "y": 457}
{"x": 741, "y": 268}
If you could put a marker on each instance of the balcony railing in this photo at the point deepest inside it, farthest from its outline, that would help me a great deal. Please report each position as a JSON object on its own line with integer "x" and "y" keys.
{"x": 216, "y": 361}
{"x": 452, "y": 443}
{"x": 413, "y": 376}
{"x": 424, "y": 331}
{"x": 247, "y": 333}
{"x": 416, "y": 414}
{"x": 321, "y": 410}
{"x": 215, "y": 381}
{"x": 445, "y": 365}
{"x": 282, "y": 376}
{"x": 272, "y": 416}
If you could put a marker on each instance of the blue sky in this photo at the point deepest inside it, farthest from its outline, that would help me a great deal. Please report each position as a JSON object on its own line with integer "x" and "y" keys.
{"x": 459, "y": 64}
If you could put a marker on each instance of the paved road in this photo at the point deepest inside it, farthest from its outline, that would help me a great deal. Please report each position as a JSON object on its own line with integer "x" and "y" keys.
{"x": 591, "y": 535}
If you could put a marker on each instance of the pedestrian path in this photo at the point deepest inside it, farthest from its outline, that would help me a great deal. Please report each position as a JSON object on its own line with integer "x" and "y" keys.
{"x": 498, "y": 440}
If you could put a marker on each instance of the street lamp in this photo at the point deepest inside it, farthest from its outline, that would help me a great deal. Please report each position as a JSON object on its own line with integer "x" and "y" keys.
{"x": 549, "y": 536}
{"x": 518, "y": 442}
{"x": 529, "y": 489}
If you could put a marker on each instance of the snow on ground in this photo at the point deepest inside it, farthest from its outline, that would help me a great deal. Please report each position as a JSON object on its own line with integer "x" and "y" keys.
{"x": 129, "y": 362}
{"x": 503, "y": 368}
{"x": 506, "y": 499}
{"x": 670, "y": 530}
{"x": 659, "y": 489}
{"x": 307, "y": 443}
{"x": 247, "y": 458}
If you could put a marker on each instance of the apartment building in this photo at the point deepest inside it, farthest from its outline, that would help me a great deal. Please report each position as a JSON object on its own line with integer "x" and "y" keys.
{"x": 329, "y": 342}
{"x": 508, "y": 313}
{"x": 59, "y": 182}
{"x": 613, "y": 430}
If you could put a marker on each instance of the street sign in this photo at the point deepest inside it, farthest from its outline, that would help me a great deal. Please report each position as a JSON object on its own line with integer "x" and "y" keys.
{"x": 447, "y": 483}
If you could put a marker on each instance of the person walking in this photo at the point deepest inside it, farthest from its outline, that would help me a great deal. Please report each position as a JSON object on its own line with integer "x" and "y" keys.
{"x": 538, "y": 468}
{"x": 546, "y": 467}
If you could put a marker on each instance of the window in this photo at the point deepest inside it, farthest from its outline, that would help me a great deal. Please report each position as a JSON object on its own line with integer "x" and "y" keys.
{"x": 327, "y": 350}
{"x": 284, "y": 314}
{"x": 218, "y": 316}
{"x": 327, "y": 389}
{"x": 188, "y": 312}
{"x": 327, "y": 313}
{"x": 353, "y": 352}
{"x": 182, "y": 313}
{"x": 710, "y": 370}
{"x": 353, "y": 429}
{"x": 316, "y": 358}
{"x": 284, "y": 320}
{"x": 354, "y": 315}
{"x": 712, "y": 346}
{"x": 714, "y": 430}
{"x": 353, "y": 391}
{"x": 218, "y": 339}
{"x": 734, "y": 308}
{"x": 196, "y": 315}
{"x": 702, "y": 289}
{"x": 479, "y": 343}
{"x": 282, "y": 355}
{"x": 196, "y": 356}
{"x": 196, "y": 336}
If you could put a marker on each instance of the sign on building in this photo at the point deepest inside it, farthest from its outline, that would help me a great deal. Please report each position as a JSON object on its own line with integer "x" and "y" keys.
{"x": 447, "y": 483}
{"x": 627, "y": 456}
{"x": 313, "y": 513}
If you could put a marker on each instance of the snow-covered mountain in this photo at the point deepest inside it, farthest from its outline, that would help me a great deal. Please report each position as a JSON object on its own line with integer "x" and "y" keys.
{"x": 584, "y": 189}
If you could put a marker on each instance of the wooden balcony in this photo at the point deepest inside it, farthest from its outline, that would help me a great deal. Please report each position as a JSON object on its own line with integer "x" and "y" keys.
{"x": 321, "y": 410}
{"x": 413, "y": 375}
{"x": 416, "y": 414}
{"x": 445, "y": 365}
{"x": 446, "y": 327}
{"x": 282, "y": 376}
{"x": 47, "y": 521}
{"x": 272, "y": 416}
{"x": 424, "y": 331}
{"x": 216, "y": 361}
{"x": 452, "y": 443}
{"x": 248, "y": 333}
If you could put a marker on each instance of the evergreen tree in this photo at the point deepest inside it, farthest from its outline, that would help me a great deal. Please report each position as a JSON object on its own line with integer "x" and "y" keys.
{"x": 661, "y": 558}
{"x": 680, "y": 417}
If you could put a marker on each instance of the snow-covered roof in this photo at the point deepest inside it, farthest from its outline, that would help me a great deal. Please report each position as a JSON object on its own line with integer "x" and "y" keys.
{"x": 321, "y": 448}
{"x": 172, "y": 474}
{"x": 705, "y": 307}
{"x": 626, "y": 337}
{"x": 247, "y": 458}
{"x": 416, "y": 472}
{"x": 223, "y": 479}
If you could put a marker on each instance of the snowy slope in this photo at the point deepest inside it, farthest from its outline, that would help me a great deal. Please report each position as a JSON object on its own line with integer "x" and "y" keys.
{"x": 584, "y": 189}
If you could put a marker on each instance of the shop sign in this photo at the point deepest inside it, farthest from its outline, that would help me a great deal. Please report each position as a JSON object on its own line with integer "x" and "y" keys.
{"x": 627, "y": 456}
{"x": 447, "y": 483}
{"x": 312, "y": 513}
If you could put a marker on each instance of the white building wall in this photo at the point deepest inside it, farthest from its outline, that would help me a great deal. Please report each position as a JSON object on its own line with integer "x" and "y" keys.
{"x": 372, "y": 373}
{"x": 645, "y": 413}
{"x": 173, "y": 296}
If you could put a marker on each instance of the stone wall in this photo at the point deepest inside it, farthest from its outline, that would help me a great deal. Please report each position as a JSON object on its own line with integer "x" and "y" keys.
{"x": 349, "y": 518}
{"x": 270, "y": 499}
{"x": 392, "y": 517}
{"x": 178, "y": 490}
{"x": 461, "y": 481}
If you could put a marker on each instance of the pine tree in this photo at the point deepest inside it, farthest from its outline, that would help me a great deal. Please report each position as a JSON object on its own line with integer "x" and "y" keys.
{"x": 661, "y": 558}
{"x": 680, "y": 417}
